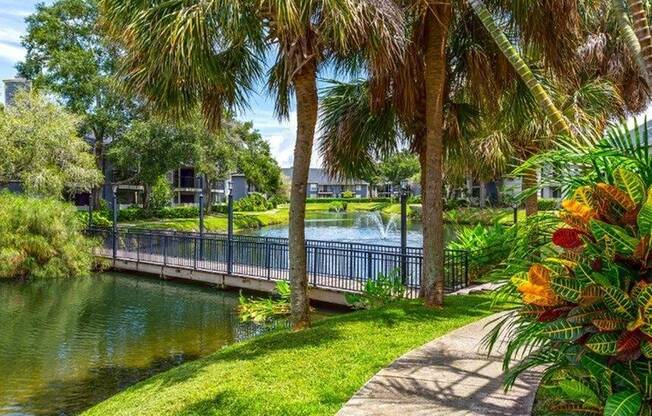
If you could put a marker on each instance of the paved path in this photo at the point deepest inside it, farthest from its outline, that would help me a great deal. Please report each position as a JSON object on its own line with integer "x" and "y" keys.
{"x": 448, "y": 376}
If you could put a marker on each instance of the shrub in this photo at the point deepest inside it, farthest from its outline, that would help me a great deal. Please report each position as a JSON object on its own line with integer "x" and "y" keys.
{"x": 414, "y": 199}
{"x": 266, "y": 310}
{"x": 547, "y": 204}
{"x": 487, "y": 246}
{"x": 337, "y": 206}
{"x": 252, "y": 202}
{"x": 133, "y": 214}
{"x": 277, "y": 200}
{"x": 379, "y": 292}
{"x": 42, "y": 238}
{"x": 348, "y": 195}
{"x": 99, "y": 219}
{"x": 161, "y": 194}
{"x": 585, "y": 284}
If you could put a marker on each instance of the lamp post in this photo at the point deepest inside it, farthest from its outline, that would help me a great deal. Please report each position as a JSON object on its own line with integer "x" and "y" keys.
{"x": 404, "y": 197}
{"x": 230, "y": 229}
{"x": 201, "y": 217}
{"x": 114, "y": 207}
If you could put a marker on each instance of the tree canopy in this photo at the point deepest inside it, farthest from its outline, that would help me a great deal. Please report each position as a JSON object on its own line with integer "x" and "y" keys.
{"x": 41, "y": 148}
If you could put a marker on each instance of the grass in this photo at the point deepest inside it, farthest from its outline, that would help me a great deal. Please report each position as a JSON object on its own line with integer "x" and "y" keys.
{"x": 311, "y": 372}
{"x": 219, "y": 222}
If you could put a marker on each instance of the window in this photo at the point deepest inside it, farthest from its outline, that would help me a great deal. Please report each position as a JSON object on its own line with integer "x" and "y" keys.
{"x": 313, "y": 187}
{"x": 358, "y": 188}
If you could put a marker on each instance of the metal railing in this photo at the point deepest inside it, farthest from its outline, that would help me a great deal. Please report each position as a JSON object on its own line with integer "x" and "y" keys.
{"x": 344, "y": 266}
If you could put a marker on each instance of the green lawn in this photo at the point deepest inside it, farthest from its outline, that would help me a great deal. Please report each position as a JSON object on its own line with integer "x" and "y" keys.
{"x": 218, "y": 222}
{"x": 311, "y": 372}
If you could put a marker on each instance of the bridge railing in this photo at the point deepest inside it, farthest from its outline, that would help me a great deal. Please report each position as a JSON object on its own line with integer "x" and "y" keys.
{"x": 330, "y": 264}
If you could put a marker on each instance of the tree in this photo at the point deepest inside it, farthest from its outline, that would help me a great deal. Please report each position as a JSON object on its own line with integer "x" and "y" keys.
{"x": 41, "y": 149}
{"x": 255, "y": 160}
{"x": 66, "y": 55}
{"x": 213, "y": 52}
{"x": 150, "y": 149}
{"x": 399, "y": 167}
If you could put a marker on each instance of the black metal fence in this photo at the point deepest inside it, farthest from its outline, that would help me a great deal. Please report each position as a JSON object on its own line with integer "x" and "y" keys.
{"x": 331, "y": 264}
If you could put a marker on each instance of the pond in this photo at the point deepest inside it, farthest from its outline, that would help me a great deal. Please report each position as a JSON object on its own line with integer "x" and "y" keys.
{"x": 67, "y": 344}
{"x": 364, "y": 227}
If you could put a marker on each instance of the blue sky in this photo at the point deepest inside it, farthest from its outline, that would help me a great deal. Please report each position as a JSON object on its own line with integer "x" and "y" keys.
{"x": 281, "y": 136}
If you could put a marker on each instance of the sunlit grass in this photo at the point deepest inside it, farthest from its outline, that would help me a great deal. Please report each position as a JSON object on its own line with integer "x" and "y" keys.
{"x": 312, "y": 372}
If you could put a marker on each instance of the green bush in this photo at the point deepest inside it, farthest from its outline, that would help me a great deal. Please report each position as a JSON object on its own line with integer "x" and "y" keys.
{"x": 277, "y": 200}
{"x": 99, "y": 219}
{"x": 337, "y": 206}
{"x": 265, "y": 311}
{"x": 42, "y": 238}
{"x": 133, "y": 214}
{"x": 348, "y": 195}
{"x": 161, "y": 195}
{"x": 547, "y": 204}
{"x": 487, "y": 246}
{"x": 378, "y": 292}
{"x": 254, "y": 202}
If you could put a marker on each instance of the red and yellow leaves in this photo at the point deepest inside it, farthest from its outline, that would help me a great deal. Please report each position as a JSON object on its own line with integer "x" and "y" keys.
{"x": 536, "y": 289}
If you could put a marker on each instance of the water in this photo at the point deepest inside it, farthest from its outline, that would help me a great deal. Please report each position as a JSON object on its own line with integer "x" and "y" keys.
{"x": 363, "y": 227}
{"x": 68, "y": 344}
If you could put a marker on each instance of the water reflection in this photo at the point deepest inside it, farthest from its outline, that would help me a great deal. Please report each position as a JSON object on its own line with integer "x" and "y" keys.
{"x": 67, "y": 344}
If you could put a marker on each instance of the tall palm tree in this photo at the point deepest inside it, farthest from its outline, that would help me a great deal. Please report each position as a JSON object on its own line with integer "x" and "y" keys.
{"x": 445, "y": 85}
{"x": 181, "y": 54}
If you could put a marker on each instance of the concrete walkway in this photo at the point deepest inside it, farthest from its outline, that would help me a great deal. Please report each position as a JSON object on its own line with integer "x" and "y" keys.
{"x": 448, "y": 376}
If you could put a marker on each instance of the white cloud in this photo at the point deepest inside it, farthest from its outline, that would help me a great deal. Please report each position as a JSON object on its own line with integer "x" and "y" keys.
{"x": 281, "y": 136}
{"x": 11, "y": 52}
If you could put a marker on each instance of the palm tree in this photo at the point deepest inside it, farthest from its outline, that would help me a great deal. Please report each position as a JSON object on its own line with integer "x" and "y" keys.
{"x": 182, "y": 54}
{"x": 442, "y": 84}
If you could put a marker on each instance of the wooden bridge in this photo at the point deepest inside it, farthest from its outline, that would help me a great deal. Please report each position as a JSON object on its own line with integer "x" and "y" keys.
{"x": 257, "y": 263}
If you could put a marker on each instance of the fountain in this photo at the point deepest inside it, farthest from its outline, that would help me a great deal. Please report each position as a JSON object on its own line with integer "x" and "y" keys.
{"x": 375, "y": 219}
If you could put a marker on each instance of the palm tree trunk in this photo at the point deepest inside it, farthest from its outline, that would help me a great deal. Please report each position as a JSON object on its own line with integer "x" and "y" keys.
{"x": 530, "y": 182}
{"x": 629, "y": 36}
{"x": 432, "y": 279}
{"x": 305, "y": 84}
{"x": 642, "y": 30}
{"x": 543, "y": 98}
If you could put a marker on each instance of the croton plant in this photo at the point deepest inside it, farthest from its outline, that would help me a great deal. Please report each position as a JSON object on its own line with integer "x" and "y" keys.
{"x": 586, "y": 289}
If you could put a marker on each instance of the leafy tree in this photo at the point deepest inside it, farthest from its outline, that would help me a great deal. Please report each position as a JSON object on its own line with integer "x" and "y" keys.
{"x": 256, "y": 162}
{"x": 399, "y": 167}
{"x": 150, "y": 149}
{"x": 67, "y": 56}
{"x": 213, "y": 54}
{"x": 40, "y": 147}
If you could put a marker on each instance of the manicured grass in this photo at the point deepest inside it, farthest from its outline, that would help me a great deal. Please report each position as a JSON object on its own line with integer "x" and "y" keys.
{"x": 218, "y": 222}
{"x": 311, "y": 372}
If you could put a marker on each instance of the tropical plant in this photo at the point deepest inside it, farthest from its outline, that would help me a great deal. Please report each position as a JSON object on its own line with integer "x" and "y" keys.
{"x": 378, "y": 292}
{"x": 583, "y": 277}
{"x": 40, "y": 148}
{"x": 487, "y": 246}
{"x": 213, "y": 55}
{"x": 253, "y": 202}
{"x": 266, "y": 311}
{"x": 42, "y": 238}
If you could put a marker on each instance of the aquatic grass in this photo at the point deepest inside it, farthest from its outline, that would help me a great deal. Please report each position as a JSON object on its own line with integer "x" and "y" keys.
{"x": 311, "y": 372}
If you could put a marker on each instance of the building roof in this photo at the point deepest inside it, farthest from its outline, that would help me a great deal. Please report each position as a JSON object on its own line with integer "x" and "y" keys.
{"x": 319, "y": 176}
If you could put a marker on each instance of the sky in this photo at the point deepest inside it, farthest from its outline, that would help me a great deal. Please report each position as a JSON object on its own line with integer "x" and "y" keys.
{"x": 280, "y": 135}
